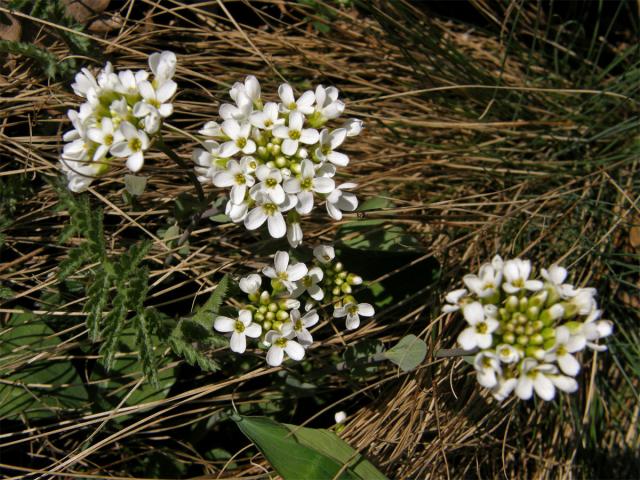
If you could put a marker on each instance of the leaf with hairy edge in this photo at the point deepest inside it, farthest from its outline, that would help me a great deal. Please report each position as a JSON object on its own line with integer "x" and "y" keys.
{"x": 204, "y": 315}
{"x": 408, "y": 353}
{"x": 298, "y": 452}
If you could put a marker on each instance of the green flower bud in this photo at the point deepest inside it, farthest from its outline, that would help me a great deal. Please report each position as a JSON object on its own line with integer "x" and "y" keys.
{"x": 266, "y": 325}
{"x": 535, "y": 352}
{"x": 258, "y": 317}
{"x": 265, "y": 298}
{"x": 510, "y": 327}
{"x": 504, "y": 314}
{"x": 336, "y": 291}
{"x": 520, "y": 318}
{"x": 262, "y": 309}
{"x": 272, "y": 307}
{"x": 552, "y": 294}
{"x": 511, "y": 304}
{"x": 281, "y": 161}
{"x": 277, "y": 325}
{"x": 532, "y": 313}
{"x": 523, "y": 340}
{"x": 509, "y": 338}
{"x": 343, "y": 275}
{"x": 523, "y": 304}
{"x": 537, "y": 325}
{"x": 549, "y": 343}
{"x": 528, "y": 330}
{"x": 519, "y": 329}
{"x": 295, "y": 168}
{"x": 548, "y": 333}
{"x": 282, "y": 315}
{"x": 338, "y": 267}
{"x": 345, "y": 288}
{"x": 254, "y": 297}
{"x": 536, "y": 339}
{"x": 570, "y": 310}
{"x": 338, "y": 281}
{"x": 270, "y": 316}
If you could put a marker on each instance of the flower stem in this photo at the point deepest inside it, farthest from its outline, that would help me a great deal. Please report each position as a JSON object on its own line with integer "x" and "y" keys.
{"x": 171, "y": 154}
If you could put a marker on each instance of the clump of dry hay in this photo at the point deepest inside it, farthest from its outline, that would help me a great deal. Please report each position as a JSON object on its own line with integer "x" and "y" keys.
{"x": 471, "y": 170}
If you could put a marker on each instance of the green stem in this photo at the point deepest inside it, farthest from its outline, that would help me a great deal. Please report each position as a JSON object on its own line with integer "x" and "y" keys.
{"x": 192, "y": 176}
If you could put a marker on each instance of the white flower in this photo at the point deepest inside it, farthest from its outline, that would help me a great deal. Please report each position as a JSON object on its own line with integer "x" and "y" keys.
{"x": 155, "y": 103}
{"x": 306, "y": 185}
{"x": 239, "y": 112}
{"x": 237, "y": 212}
{"x": 251, "y": 283}
{"x": 208, "y": 160}
{"x": 487, "y": 282}
{"x": 353, "y": 127}
{"x": 304, "y": 104}
{"x": 543, "y": 379}
{"x": 102, "y": 134}
{"x": 593, "y": 329}
{"x": 478, "y": 334}
{"x": 285, "y": 273}
{"x": 128, "y": 81}
{"x": 327, "y": 103}
{"x": 353, "y": 312}
{"x": 324, "y": 253}
{"x": 238, "y": 134}
{"x": 504, "y": 388}
{"x": 487, "y": 367}
{"x": 329, "y": 141}
{"x": 241, "y": 327}
{"x": 507, "y": 353}
{"x": 294, "y": 134}
{"x": 269, "y": 185}
{"x": 584, "y": 300}
{"x": 268, "y": 118}
{"x": 341, "y": 200}
{"x": 236, "y": 176}
{"x": 309, "y": 283}
{"x": 163, "y": 66}
{"x": 565, "y": 345}
{"x": 267, "y": 210}
{"x": 453, "y": 299}
{"x": 282, "y": 343}
{"x": 130, "y": 142}
{"x": 299, "y": 326}
{"x": 516, "y": 274}
{"x": 250, "y": 88}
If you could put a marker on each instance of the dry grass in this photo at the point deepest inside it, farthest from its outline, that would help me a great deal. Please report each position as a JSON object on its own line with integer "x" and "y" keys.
{"x": 472, "y": 170}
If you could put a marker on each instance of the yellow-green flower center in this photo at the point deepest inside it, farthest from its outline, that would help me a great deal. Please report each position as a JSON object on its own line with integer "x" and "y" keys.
{"x": 294, "y": 134}
{"x": 281, "y": 342}
{"x": 239, "y": 327}
{"x": 135, "y": 144}
{"x": 241, "y": 142}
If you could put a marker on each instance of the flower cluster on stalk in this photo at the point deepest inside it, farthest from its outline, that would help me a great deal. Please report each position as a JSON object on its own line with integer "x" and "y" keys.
{"x": 273, "y": 314}
{"x": 525, "y": 332}
{"x": 122, "y": 113}
{"x": 278, "y": 158}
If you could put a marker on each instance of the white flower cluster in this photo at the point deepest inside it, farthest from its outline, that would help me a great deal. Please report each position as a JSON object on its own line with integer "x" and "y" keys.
{"x": 121, "y": 114}
{"x": 526, "y": 331}
{"x": 272, "y": 315}
{"x": 277, "y": 158}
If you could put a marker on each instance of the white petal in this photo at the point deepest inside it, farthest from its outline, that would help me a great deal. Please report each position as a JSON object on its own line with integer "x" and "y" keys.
{"x": 289, "y": 147}
{"x": 285, "y": 92}
{"x": 339, "y": 159}
{"x": 467, "y": 339}
{"x": 281, "y": 261}
{"x": 254, "y": 330}
{"x": 316, "y": 292}
{"x": 365, "y": 309}
{"x": 238, "y": 342}
{"x": 524, "y": 388}
{"x": 487, "y": 378}
{"x": 294, "y": 350}
{"x": 309, "y": 136}
{"x": 255, "y": 218}
{"x": 251, "y": 283}
{"x": 305, "y": 203}
{"x": 323, "y": 185}
{"x": 135, "y": 161}
{"x": 224, "y": 324}
{"x": 353, "y": 321}
{"x": 568, "y": 364}
{"x": 473, "y": 313}
{"x": 297, "y": 271}
{"x": 544, "y": 387}
{"x": 566, "y": 384}
{"x": 277, "y": 225}
{"x": 533, "y": 285}
{"x": 275, "y": 355}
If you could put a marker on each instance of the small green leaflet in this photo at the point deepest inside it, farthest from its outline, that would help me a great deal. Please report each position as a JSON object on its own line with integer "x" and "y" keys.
{"x": 135, "y": 184}
{"x": 408, "y": 353}
{"x": 299, "y": 452}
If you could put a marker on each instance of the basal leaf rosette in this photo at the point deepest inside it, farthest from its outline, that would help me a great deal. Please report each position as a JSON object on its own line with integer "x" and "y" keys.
{"x": 273, "y": 314}
{"x": 278, "y": 158}
{"x": 525, "y": 333}
{"x": 122, "y": 114}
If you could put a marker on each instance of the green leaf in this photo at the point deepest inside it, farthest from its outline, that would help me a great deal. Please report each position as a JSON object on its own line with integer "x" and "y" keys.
{"x": 297, "y": 452}
{"x": 206, "y": 312}
{"x": 408, "y": 353}
{"x": 42, "y": 388}
{"x": 135, "y": 184}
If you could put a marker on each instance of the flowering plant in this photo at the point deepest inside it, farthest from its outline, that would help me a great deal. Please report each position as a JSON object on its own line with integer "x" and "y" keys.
{"x": 273, "y": 314}
{"x": 524, "y": 332}
{"x": 278, "y": 157}
{"x": 122, "y": 114}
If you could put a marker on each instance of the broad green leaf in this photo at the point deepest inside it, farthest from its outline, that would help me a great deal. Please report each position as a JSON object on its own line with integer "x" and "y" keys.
{"x": 297, "y": 453}
{"x": 328, "y": 443}
{"x": 408, "y": 353}
{"x": 135, "y": 184}
{"x": 42, "y": 388}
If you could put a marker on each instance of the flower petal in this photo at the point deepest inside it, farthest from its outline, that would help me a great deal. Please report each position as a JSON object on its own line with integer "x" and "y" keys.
{"x": 224, "y": 324}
